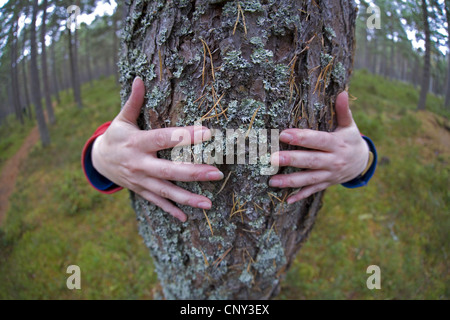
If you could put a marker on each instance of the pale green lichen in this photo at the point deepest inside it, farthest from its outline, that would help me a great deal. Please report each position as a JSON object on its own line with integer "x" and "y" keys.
{"x": 261, "y": 56}
{"x": 251, "y": 6}
{"x": 325, "y": 59}
{"x": 339, "y": 74}
{"x": 330, "y": 33}
{"x": 155, "y": 97}
{"x": 271, "y": 257}
{"x": 246, "y": 278}
{"x": 233, "y": 60}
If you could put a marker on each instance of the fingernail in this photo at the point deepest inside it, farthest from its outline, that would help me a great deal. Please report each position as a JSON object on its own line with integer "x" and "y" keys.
{"x": 136, "y": 79}
{"x": 205, "y": 205}
{"x": 286, "y": 137}
{"x": 215, "y": 175}
{"x": 202, "y": 135}
{"x": 290, "y": 201}
{"x": 275, "y": 183}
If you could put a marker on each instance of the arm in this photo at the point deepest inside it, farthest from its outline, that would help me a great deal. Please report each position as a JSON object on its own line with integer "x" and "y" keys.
{"x": 126, "y": 157}
{"x": 340, "y": 157}
{"x": 98, "y": 181}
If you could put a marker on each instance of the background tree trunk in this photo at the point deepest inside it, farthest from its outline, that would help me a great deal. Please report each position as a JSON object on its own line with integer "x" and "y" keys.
{"x": 283, "y": 61}
{"x": 75, "y": 73}
{"x": 447, "y": 83}
{"x": 56, "y": 86}
{"x": 35, "y": 85}
{"x": 25, "y": 76}
{"x": 15, "y": 72}
{"x": 425, "y": 84}
{"x": 45, "y": 78}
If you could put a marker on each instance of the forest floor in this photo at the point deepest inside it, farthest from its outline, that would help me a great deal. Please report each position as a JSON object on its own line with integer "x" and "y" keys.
{"x": 399, "y": 222}
{"x": 10, "y": 171}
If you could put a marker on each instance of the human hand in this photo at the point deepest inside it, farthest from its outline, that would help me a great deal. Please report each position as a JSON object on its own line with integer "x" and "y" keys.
{"x": 128, "y": 157}
{"x": 330, "y": 158}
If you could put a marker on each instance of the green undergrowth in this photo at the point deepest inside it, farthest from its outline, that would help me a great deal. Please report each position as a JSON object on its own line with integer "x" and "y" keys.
{"x": 399, "y": 222}
{"x": 12, "y": 136}
{"x": 56, "y": 219}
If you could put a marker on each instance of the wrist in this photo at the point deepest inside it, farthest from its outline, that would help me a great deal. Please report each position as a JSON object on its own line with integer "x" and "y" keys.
{"x": 369, "y": 163}
{"x": 366, "y": 175}
{"x": 96, "y": 154}
{"x": 368, "y": 159}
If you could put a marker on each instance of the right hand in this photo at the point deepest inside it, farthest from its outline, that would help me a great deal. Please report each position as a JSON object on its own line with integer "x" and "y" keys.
{"x": 128, "y": 157}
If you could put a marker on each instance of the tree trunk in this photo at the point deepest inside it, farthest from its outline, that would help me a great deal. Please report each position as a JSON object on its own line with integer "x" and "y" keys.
{"x": 35, "y": 86}
{"x": 25, "y": 77}
{"x": 55, "y": 73}
{"x": 115, "y": 44}
{"x": 15, "y": 72}
{"x": 427, "y": 60}
{"x": 75, "y": 76}
{"x": 275, "y": 65}
{"x": 447, "y": 83}
{"x": 45, "y": 78}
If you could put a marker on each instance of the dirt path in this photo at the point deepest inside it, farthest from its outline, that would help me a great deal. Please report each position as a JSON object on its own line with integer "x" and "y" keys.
{"x": 10, "y": 171}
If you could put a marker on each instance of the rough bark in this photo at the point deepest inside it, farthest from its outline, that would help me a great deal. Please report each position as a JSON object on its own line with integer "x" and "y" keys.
{"x": 425, "y": 84}
{"x": 271, "y": 66}
{"x": 35, "y": 84}
{"x": 45, "y": 78}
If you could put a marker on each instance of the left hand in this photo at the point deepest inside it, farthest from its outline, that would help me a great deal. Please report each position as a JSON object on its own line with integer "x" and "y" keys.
{"x": 331, "y": 158}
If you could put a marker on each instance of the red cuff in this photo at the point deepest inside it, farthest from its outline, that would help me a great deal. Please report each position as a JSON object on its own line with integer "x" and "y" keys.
{"x": 100, "y": 131}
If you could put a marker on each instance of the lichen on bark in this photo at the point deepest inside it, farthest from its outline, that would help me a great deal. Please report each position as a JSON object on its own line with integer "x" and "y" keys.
{"x": 273, "y": 65}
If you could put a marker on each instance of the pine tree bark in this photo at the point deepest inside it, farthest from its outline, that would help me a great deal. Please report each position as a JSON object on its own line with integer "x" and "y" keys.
{"x": 35, "y": 83}
{"x": 45, "y": 78}
{"x": 425, "y": 84}
{"x": 275, "y": 65}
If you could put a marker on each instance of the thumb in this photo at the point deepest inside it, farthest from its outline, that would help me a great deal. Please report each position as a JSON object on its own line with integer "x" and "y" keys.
{"x": 132, "y": 107}
{"x": 344, "y": 115}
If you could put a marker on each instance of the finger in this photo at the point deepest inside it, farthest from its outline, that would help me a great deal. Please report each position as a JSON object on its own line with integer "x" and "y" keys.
{"x": 310, "y": 139}
{"x": 161, "y": 139}
{"x": 343, "y": 112}
{"x": 132, "y": 107}
{"x": 299, "y": 179}
{"x": 302, "y": 159}
{"x": 165, "y": 205}
{"x": 168, "y": 170}
{"x": 307, "y": 192}
{"x": 168, "y": 190}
